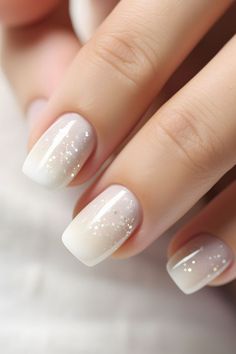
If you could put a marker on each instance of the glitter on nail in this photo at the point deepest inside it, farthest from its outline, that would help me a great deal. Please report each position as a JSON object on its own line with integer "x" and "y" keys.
{"x": 60, "y": 153}
{"x": 198, "y": 262}
{"x": 104, "y": 224}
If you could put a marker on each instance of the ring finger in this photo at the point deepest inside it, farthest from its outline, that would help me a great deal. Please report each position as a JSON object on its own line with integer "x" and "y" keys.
{"x": 204, "y": 250}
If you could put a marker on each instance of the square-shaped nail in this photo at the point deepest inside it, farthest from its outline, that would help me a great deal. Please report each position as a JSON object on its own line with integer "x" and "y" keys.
{"x": 60, "y": 152}
{"x": 103, "y": 225}
{"x": 198, "y": 262}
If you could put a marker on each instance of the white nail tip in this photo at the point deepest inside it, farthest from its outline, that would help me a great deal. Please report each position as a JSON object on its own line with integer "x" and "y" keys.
{"x": 60, "y": 153}
{"x": 198, "y": 262}
{"x": 103, "y": 225}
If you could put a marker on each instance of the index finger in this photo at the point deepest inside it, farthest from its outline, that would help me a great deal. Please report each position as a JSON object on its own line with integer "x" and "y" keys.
{"x": 112, "y": 81}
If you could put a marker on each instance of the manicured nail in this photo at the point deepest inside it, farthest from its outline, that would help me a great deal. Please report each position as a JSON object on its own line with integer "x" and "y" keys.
{"x": 61, "y": 152}
{"x": 103, "y": 225}
{"x": 34, "y": 110}
{"x": 198, "y": 262}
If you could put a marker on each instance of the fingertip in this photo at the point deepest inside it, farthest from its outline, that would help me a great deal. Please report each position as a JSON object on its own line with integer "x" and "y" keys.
{"x": 200, "y": 261}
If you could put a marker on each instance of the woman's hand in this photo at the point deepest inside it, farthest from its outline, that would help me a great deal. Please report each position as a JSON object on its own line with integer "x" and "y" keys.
{"x": 169, "y": 164}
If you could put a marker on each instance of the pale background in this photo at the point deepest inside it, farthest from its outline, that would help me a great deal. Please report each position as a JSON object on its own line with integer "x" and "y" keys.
{"x": 52, "y": 304}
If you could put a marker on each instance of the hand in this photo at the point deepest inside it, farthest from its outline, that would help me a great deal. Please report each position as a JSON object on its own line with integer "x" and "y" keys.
{"x": 181, "y": 152}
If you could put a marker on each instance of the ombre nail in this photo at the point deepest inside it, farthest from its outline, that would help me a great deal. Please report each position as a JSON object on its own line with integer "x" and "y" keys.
{"x": 61, "y": 152}
{"x": 103, "y": 225}
{"x": 198, "y": 262}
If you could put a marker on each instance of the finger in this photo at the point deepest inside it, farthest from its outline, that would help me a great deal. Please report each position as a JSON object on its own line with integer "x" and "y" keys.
{"x": 112, "y": 82}
{"x": 35, "y": 57}
{"x": 171, "y": 163}
{"x": 88, "y": 15}
{"x": 44, "y": 50}
{"x": 204, "y": 251}
{"x": 19, "y": 12}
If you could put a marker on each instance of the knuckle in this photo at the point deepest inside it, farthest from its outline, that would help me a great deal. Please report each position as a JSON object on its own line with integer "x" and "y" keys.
{"x": 188, "y": 133}
{"x": 125, "y": 54}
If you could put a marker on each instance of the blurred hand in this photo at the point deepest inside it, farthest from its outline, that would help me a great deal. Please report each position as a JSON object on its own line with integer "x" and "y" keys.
{"x": 86, "y": 108}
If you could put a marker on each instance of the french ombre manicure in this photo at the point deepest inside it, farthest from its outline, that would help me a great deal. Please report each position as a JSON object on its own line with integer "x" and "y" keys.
{"x": 61, "y": 152}
{"x": 198, "y": 262}
{"x": 103, "y": 225}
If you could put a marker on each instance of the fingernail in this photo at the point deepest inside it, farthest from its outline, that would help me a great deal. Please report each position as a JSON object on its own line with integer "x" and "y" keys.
{"x": 61, "y": 152}
{"x": 34, "y": 110}
{"x": 103, "y": 225}
{"x": 198, "y": 262}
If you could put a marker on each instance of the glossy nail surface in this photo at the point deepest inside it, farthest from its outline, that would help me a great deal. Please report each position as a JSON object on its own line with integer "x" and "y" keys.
{"x": 198, "y": 262}
{"x": 103, "y": 225}
{"x": 61, "y": 152}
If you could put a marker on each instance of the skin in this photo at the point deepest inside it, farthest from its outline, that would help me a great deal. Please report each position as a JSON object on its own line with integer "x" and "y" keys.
{"x": 192, "y": 134}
